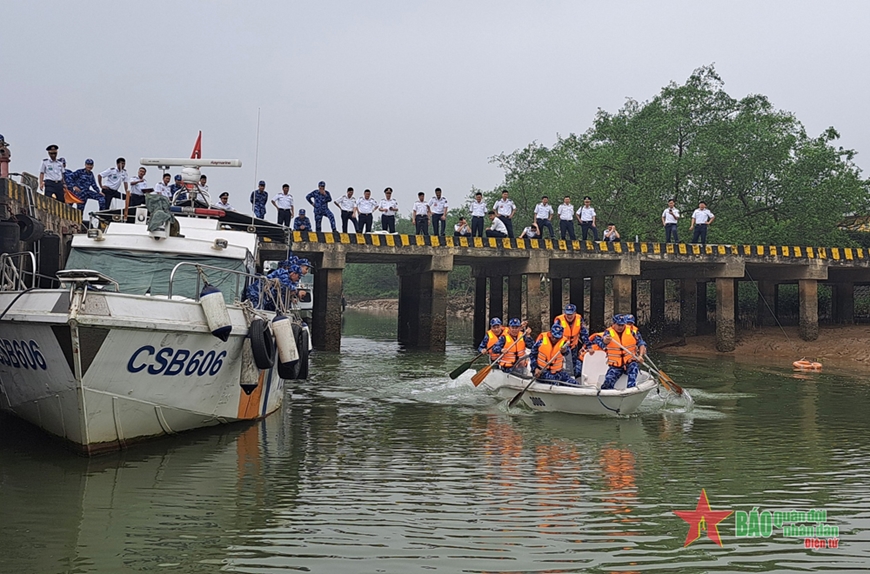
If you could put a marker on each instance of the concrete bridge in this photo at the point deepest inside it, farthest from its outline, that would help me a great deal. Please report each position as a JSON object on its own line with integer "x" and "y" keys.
{"x": 422, "y": 264}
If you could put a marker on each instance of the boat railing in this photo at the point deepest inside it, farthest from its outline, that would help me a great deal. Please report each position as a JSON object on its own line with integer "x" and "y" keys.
{"x": 287, "y": 300}
{"x": 15, "y": 274}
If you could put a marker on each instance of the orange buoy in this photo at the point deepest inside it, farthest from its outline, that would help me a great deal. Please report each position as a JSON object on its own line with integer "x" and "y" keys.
{"x": 804, "y": 365}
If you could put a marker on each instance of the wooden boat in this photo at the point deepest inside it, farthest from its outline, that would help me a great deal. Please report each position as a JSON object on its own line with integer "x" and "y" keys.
{"x": 585, "y": 399}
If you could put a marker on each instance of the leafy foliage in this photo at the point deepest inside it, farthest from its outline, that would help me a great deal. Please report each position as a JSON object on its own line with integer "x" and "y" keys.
{"x": 759, "y": 172}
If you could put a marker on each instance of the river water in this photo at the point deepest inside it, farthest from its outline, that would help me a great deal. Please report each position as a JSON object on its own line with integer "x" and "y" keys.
{"x": 381, "y": 463}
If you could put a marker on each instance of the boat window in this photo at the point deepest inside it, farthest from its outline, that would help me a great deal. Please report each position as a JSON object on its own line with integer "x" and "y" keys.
{"x": 141, "y": 273}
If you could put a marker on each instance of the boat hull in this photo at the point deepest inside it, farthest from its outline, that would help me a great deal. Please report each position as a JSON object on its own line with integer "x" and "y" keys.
{"x": 585, "y": 399}
{"x": 125, "y": 368}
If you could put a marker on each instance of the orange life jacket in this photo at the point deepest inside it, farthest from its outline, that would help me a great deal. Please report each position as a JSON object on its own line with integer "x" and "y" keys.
{"x": 511, "y": 357}
{"x": 595, "y": 347}
{"x": 491, "y": 340}
{"x": 548, "y": 350}
{"x": 616, "y": 357}
{"x": 572, "y": 329}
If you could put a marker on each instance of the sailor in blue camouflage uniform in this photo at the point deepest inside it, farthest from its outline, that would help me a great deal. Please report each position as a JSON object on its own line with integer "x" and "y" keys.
{"x": 301, "y": 223}
{"x": 259, "y": 197}
{"x": 287, "y": 273}
{"x": 320, "y": 198}
{"x": 516, "y": 329}
{"x": 84, "y": 186}
{"x": 179, "y": 188}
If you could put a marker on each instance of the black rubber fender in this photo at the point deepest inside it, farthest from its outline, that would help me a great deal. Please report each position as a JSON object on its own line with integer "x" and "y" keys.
{"x": 262, "y": 344}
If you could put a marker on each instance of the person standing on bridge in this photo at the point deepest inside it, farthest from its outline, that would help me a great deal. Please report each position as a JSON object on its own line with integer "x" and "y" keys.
{"x": 51, "y": 175}
{"x": 388, "y": 207}
{"x": 478, "y": 213}
{"x": 347, "y": 205}
{"x": 224, "y": 202}
{"x": 670, "y": 218}
{"x": 320, "y": 199}
{"x": 438, "y": 208}
{"x": 422, "y": 212}
{"x": 586, "y": 216}
{"x": 543, "y": 215}
{"x": 701, "y": 220}
{"x": 566, "y": 219}
{"x": 365, "y": 208}
{"x": 506, "y": 208}
{"x": 283, "y": 202}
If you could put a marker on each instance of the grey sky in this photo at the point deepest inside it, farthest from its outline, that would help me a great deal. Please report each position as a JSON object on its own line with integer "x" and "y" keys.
{"x": 411, "y": 95}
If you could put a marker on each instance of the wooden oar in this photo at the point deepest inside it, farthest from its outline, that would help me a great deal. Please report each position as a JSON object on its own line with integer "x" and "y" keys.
{"x": 482, "y": 373}
{"x": 466, "y": 365}
{"x": 667, "y": 382}
{"x": 514, "y": 400}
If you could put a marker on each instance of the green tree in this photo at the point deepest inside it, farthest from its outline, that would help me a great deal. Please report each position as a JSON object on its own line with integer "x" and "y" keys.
{"x": 765, "y": 179}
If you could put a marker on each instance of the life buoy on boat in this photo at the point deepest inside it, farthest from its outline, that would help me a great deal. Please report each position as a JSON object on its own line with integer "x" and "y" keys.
{"x": 282, "y": 328}
{"x": 804, "y": 365}
{"x": 215, "y": 308}
{"x": 262, "y": 343}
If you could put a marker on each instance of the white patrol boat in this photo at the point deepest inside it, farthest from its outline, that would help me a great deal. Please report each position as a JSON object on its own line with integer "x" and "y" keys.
{"x": 586, "y": 398}
{"x": 148, "y": 332}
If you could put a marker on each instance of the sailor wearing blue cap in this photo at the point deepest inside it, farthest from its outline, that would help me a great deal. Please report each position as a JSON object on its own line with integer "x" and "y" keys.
{"x": 490, "y": 339}
{"x": 576, "y": 333}
{"x": 85, "y": 187}
{"x": 301, "y": 223}
{"x": 259, "y": 197}
{"x": 513, "y": 344}
{"x": 547, "y": 357}
{"x": 320, "y": 199}
{"x": 625, "y": 348}
{"x": 178, "y": 188}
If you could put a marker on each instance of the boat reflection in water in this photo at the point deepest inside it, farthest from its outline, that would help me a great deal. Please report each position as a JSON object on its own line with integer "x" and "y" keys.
{"x": 182, "y": 500}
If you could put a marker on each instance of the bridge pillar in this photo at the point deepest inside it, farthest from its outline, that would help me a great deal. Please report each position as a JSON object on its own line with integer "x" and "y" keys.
{"x": 657, "y": 302}
{"x": 634, "y": 298}
{"x": 326, "y": 315}
{"x": 423, "y": 303}
{"x": 515, "y": 296}
{"x": 534, "y": 305}
{"x": 481, "y": 323}
{"x": 622, "y": 294}
{"x": 596, "y": 303}
{"x": 496, "y": 297}
{"x": 808, "y": 324}
{"x": 409, "y": 305}
{"x": 555, "y": 297}
{"x": 433, "y": 311}
{"x": 577, "y": 293}
{"x": 725, "y": 335}
{"x": 701, "y": 306}
{"x": 843, "y": 306}
{"x": 764, "y": 315}
{"x": 688, "y": 307}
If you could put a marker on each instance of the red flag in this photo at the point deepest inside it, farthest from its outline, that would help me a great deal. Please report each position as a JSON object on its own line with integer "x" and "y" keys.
{"x": 197, "y": 148}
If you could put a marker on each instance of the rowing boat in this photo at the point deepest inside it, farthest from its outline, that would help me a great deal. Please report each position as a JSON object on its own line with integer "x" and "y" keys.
{"x": 586, "y": 398}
